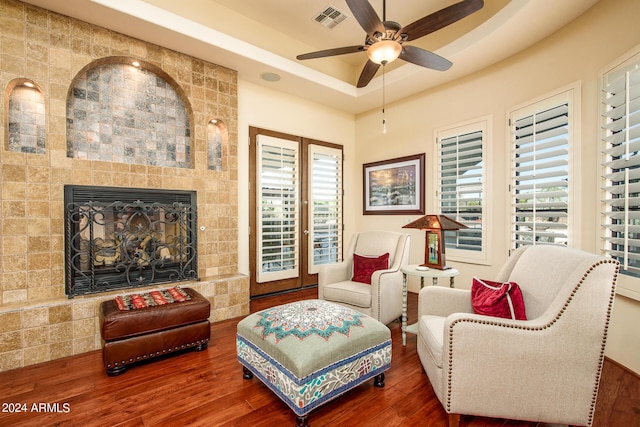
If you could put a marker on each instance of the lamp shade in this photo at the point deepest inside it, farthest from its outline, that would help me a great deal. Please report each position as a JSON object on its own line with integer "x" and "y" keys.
{"x": 435, "y": 226}
{"x": 384, "y": 51}
{"x": 435, "y": 222}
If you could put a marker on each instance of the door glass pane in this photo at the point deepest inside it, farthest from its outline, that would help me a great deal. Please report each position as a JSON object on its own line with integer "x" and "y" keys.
{"x": 325, "y": 206}
{"x": 278, "y": 215}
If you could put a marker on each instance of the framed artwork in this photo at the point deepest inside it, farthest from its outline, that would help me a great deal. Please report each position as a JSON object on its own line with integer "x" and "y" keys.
{"x": 394, "y": 187}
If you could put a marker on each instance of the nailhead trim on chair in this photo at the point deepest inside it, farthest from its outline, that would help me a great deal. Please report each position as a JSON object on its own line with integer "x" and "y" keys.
{"x": 555, "y": 319}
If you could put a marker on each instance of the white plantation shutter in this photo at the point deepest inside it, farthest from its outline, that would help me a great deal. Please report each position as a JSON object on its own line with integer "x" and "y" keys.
{"x": 325, "y": 206}
{"x": 278, "y": 208}
{"x": 540, "y": 173}
{"x": 461, "y": 188}
{"x": 620, "y": 134}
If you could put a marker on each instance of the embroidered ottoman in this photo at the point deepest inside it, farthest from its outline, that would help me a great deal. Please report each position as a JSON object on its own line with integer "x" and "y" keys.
{"x": 310, "y": 352}
{"x": 142, "y": 326}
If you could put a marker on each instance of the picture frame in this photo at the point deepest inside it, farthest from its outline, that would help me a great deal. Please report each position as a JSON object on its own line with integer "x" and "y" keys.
{"x": 394, "y": 186}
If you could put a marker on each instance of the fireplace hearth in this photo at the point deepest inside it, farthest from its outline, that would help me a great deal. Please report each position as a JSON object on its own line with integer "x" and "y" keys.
{"x": 122, "y": 238}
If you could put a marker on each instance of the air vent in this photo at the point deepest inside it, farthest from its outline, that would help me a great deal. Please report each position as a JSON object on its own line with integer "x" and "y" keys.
{"x": 330, "y": 17}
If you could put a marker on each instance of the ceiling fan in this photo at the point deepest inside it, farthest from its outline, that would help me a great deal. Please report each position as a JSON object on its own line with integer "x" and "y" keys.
{"x": 385, "y": 39}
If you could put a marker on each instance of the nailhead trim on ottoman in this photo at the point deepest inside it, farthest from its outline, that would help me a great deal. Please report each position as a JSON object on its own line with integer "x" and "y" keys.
{"x": 310, "y": 352}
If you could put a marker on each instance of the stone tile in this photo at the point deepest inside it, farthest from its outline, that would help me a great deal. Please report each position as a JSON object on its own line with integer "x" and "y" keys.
{"x": 222, "y": 288}
{"x": 13, "y": 244}
{"x": 14, "y": 208}
{"x": 14, "y": 226}
{"x": 39, "y": 278}
{"x": 59, "y": 314}
{"x": 10, "y": 341}
{"x": 83, "y": 328}
{"x": 32, "y": 317}
{"x": 39, "y": 243}
{"x": 83, "y": 345}
{"x": 14, "y": 281}
{"x": 34, "y": 355}
{"x": 39, "y": 261}
{"x": 35, "y": 336}
{"x": 10, "y": 321}
{"x": 14, "y": 173}
{"x": 10, "y": 360}
{"x": 221, "y": 301}
{"x": 14, "y": 191}
{"x": 62, "y": 349}
{"x": 83, "y": 309}
{"x": 9, "y": 297}
{"x": 60, "y": 332}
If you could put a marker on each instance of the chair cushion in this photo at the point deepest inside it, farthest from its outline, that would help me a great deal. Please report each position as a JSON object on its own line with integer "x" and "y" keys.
{"x": 348, "y": 292}
{"x": 431, "y": 329}
{"x": 364, "y": 266}
{"x": 497, "y": 299}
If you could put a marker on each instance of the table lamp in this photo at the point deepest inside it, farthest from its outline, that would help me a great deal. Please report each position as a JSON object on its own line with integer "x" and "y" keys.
{"x": 435, "y": 226}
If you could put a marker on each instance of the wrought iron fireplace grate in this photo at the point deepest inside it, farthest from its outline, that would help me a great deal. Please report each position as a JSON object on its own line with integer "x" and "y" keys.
{"x": 119, "y": 238}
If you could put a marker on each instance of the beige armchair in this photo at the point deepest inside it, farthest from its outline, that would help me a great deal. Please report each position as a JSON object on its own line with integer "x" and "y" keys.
{"x": 382, "y": 299}
{"x": 544, "y": 369}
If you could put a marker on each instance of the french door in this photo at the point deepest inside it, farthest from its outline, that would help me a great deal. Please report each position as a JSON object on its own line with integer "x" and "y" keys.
{"x": 295, "y": 210}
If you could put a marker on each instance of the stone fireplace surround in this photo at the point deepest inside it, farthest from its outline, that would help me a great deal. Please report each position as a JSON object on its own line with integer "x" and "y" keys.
{"x": 38, "y": 322}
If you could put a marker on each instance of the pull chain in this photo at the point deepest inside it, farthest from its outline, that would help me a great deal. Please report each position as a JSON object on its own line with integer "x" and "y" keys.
{"x": 384, "y": 117}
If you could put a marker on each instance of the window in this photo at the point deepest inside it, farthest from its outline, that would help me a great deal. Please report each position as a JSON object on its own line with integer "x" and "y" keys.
{"x": 541, "y": 135}
{"x": 325, "y": 206}
{"x": 620, "y": 139}
{"x": 461, "y": 170}
{"x": 278, "y": 221}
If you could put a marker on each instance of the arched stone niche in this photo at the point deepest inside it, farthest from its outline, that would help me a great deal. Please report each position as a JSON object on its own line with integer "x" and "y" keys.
{"x": 217, "y": 140}
{"x": 128, "y": 111}
{"x": 25, "y": 119}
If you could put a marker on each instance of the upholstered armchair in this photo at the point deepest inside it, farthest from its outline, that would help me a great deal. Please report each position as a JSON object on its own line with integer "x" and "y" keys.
{"x": 544, "y": 369}
{"x": 382, "y": 299}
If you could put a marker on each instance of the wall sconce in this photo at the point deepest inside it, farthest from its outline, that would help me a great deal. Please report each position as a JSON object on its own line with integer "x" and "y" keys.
{"x": 435, "y": 226}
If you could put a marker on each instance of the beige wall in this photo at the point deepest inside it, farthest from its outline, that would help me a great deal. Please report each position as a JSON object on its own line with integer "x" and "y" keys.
{"x": 574, "y": 55}
{"x": 269, "y": 109}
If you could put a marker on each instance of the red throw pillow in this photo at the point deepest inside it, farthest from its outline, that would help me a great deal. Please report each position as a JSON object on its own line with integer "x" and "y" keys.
{"x": 363, "y": 267}
{"x": 497, "y": 299}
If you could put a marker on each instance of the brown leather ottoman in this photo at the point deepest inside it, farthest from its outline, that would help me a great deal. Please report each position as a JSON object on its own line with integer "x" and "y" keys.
{"x": 130, "y": 336}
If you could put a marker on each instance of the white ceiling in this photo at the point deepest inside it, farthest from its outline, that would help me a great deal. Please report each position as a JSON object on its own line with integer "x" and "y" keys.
{"x": 258, "y": 36}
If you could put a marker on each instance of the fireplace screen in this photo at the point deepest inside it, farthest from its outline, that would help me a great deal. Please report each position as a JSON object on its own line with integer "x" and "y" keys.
{"x": 125, "y": 238}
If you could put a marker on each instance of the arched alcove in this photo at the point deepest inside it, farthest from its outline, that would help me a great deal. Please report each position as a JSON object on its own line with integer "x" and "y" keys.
{"x": 127, "y": 111}
{"x": 217, "y": 137}
{"x": 25, "y": 117}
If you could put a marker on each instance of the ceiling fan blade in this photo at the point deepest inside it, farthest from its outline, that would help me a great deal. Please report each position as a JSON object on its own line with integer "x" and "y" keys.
{"x": 332, "y": 52}
{"x": 424, "y": 58}
{"x": 366, "y": 16}
{"x": 370, "y": 69}
{"x": 441, "y": 19}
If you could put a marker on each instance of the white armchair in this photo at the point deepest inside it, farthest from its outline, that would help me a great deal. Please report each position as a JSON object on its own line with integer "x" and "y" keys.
{"x": 544, "y": 369}
{"x": 382, "y": 299}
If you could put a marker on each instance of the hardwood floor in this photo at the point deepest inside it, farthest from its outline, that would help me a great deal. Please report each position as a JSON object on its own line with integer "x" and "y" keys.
{"x": 206, "y": 389}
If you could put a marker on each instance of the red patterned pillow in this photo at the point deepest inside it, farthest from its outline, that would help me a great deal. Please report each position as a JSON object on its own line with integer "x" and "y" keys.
{"x": 363, "y": 267}
{"x": 497, "y": 299}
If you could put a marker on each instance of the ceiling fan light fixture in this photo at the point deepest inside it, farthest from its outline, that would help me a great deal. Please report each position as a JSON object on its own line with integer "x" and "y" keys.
{"x": 384, "y": 51}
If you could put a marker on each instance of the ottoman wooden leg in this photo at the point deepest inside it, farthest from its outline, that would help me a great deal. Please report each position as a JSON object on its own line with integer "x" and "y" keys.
{"x": 302, "y": 421}
{"x": 246, "y": 374}
{"x": 378, "y": 381}
{"x": 118, "y": 370}
{"x": 202, "y": 346}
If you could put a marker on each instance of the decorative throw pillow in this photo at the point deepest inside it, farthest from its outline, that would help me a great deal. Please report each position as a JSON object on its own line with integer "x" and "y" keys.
{"x": 497, "y": 299}
{"x": 363, "y": 267}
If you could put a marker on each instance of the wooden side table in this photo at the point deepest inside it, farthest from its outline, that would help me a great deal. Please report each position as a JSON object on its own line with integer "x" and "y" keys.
{"x": 435, "y": 274}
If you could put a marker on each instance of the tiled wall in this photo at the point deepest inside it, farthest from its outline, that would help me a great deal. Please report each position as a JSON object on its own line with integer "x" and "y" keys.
{"x": 37, "y": 322}
{"x": 117, "y": 112}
